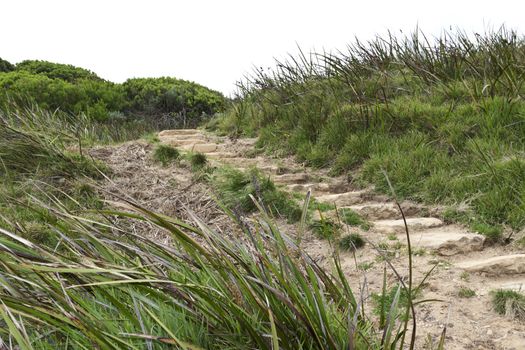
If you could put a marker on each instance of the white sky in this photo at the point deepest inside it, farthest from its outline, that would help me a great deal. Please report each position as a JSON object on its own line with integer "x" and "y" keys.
{"x": 215, "y": 42}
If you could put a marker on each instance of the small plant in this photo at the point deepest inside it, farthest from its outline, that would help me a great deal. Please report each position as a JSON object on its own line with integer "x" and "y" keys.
{"x": 385, "y": 253}
{"x": 392, "y": 237}
{"x": 351, "y": 218}
{"x": 419, "y": 252}
{"x": 236, "y": 188}
{"x": 325, "y": 228}
{"x": 383, "y": 301}
{"x": 365, "y": 266}
{"x": 166, "y": 154}
{"x": 321, "y": 206}
{"x": 465, "y": 292}
{"x": 198, "y": 161}
{"x": 493, "y": 234}
{"x": 398, "y": 245}
{"x": 351, "y": 242}
{"x": 464, "y": 276}
{"x": 151, "y": 138}
{"x": 509, "y": 303}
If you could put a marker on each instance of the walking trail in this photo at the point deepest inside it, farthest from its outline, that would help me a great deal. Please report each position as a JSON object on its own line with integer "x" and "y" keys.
{"x": 462, "y": 257}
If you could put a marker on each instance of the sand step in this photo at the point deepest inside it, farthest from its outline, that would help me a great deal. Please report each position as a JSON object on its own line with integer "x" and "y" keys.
{"x": 175, "y": 132}
{"x": 223, "y": 155}
{"x": 343, "y": 199}
{"x": 446, "y": 240}
{"x": 376, "y": 211}
{"x": 186, "y": 137}
{"x": 286, "y": 179}
{"x": 244, "y": 162}
{"x": 201, "y": 147}
{"x": 321, "y": 187}
{"x": 266, "y": 169}
{"x": 498, "y": 265}
{"x": 178, "y": 143}
{"x": 398, "y": 226}
{"x": 302, "y": 187}
{"x": 246, "y": 141}
{"x": 517, "y": 285}
{"x": 383, "y": 211}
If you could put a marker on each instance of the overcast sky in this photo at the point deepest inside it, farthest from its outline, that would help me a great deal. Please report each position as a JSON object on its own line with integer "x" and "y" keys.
{"x": 215, "y": 42}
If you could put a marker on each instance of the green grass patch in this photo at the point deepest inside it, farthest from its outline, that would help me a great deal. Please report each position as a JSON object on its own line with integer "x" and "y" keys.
{"x": 326, "y": 228}
{"x": 166, "y": 155}
{"x": 465, "y": 292}
{"x": 509, "y": 303}
{"x": 351, "y": 218}
{"x": 198, "y": 160}
{"x": 351, "y": 242}
{"x": 236, "y": 188}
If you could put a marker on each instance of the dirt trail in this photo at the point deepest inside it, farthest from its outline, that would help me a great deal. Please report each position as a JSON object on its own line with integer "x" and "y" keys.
{"x": 463, "y": 259}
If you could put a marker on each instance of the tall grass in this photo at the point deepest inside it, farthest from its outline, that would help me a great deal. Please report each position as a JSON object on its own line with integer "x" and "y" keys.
{"x": 105, "y": 287}
{"x": 445, "y": 116}
{"x": 79, "y": 128}
{"x": 97, "y": 282}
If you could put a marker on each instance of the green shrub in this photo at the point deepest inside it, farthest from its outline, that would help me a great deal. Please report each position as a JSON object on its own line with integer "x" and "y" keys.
{"x": 350, "y": 217}
{"x": 185, "y": 100}
{"x": 198, "y": 160}
{"x": 52, "y": 70}
{"x": 326, "y": 228}
{"x": 493, "y": 234}
{"x": 465, "y": 292}
{"x": 509, "y": 303}
{"x": 165, "y": 154}
{"x": 236, "y": 188}
{"x": 6, "y": 66}
{"x": 351, "y": 242}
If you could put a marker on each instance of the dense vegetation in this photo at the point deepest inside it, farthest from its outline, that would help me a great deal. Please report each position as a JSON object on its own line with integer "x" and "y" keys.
{"x": 76, "y": 275}
{"x": 173, "y": 102}
{"x": 445, "y": 118}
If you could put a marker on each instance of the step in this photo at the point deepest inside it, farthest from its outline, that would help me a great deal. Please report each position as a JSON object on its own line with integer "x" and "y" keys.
{"x": 178, "y": 143}
{"x": 517, "y": 285}
{"x": 383, "y": 211}
{"x": 246, "y": 141}
{"x": 498, "y": 265}
{"x": 398, "y": 226}
{"x": 286, "y": 179}
{"x": 302, "y": 187}
{"x": 266, "y": 169}
{"x": 185, "y": 137}
{"x": 201, "y": 147}
{"x": 342, "y": 199}
{"x": 220, "y": 155}
{"x": 175, "y": 132}
{"x": 446, "y": 240}
{"x": 243, "y": 162}
{"x": 376, "y": 211}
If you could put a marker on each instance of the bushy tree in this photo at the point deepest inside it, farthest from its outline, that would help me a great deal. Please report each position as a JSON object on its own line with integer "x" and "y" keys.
{"x": 6, "y": 66}
{"x": 52, "y": 70}
{"x": 94, "y": 97}
{"x": 77, "y": 90}
{"x": 171, "y": 95}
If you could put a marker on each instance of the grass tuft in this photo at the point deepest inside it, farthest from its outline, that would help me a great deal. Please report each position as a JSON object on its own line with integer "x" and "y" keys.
{"x": 351, "y": 242}
{"x": 165, "y": 154}
{"x": 236, "y": 188}
{"x": 198, "y": 160}
{"x": 465, "y": 292}
{"x": 350, "y": 217}
{"x": 509, "y": 303}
